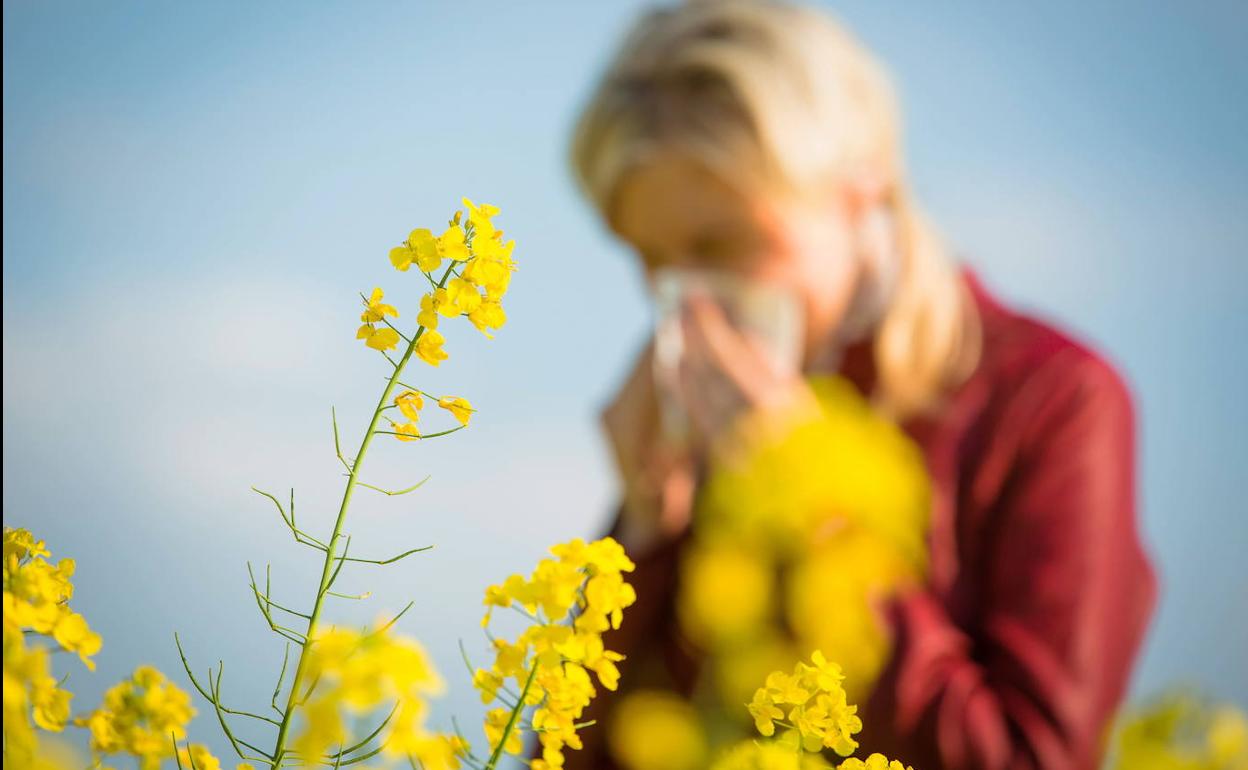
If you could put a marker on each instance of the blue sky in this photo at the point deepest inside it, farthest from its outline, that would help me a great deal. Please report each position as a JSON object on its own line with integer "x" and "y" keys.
{"x": 193, "y": 196}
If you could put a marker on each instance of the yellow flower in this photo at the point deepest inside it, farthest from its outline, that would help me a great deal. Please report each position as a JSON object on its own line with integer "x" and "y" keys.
{"x": 421, "y": 248}
{"x": 823, "y": 675}
{"x": 378, "y": 339}
{"x": 495, "y": 596}
{"x": 410, "y": 403}
{"x": 73, "y": 634}
{"x": 463, "y": 296}
{"x": 429, "y": 347}
{"x": 488, "y": 682}
{"x": 509, "y": 660}
{"x": 457, "y": 406}
{"x": 428, "y": 315}
{"x": 51, "y": 706}
{"x": 375, "y": 309}
{"x": 488, "y": 315}
{"x": 480, "y": 216}
{"x": 20, "y": 544}
{"x": 786, "y": 689}
{"x": 765, "y": 711}
{"x": 495, "y": 724}
{"x": 405, "y": 431}
{"x": 443, "y": 305}
{"x": 606, "y": 596}
{"x": 451, "y": 244}
{"x": 818, "y": 711}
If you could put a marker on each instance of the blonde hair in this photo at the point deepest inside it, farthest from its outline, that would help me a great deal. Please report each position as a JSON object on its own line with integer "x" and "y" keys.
{"x": 781, "y": 96}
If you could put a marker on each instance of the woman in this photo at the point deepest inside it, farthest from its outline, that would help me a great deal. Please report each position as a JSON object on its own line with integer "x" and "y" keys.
{"x": 760, "y": 139}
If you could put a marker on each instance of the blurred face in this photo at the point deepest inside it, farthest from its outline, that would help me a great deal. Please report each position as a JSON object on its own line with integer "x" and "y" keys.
{"x": 676, "y": 212}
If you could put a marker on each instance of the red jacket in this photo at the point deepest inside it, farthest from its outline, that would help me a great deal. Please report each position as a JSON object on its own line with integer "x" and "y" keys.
{"x": 1018, "y": 650}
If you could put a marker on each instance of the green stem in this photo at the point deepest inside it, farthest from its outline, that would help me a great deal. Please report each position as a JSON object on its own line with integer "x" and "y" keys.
{"x": 327, "y": 570}
{"x": 511, "y": 721}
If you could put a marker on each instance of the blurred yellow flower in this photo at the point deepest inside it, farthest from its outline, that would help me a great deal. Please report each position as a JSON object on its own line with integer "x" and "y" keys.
{"x": 794, "y": 519}
{"x": 495, "y": 722}
{"x": 1180, "y": 731}
{"x": 750, "y": 755}
{"x": 197, "y": 756}
{"x": 140, "y": 716}
{"x": 656, "y": 730}
{"x": 358, "y": 672}
{"x": 37, "y": 595}
{"x": 739, "y": 668}
{"x": 726, "y": 591}
{"x": 21, "y": 544}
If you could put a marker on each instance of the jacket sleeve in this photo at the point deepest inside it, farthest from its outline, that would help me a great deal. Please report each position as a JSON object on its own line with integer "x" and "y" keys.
{"x": 1063, "y": 589}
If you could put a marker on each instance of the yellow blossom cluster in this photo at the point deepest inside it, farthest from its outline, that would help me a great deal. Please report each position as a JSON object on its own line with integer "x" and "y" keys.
{"x": 37, "y": 594}
{"x": 141, "y": 716}
{"x": 357, "y": 672}
{"x": 814, "y": 704}
{"x": 812, "y": 707}
{"x": 29, "y": 691}
{"x": 411, "y": 401}
{"x": 831, "y": 511}
{"x": 36, "y": 604}
{"x": 477, "y": 276}
{"x": 571, "y": 600}
{"x": 1181, "y": 731}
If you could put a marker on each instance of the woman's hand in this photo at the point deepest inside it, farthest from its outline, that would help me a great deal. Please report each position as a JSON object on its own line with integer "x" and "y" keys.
{"x": 725, "y": 374}
{"x": 658, "y": 477}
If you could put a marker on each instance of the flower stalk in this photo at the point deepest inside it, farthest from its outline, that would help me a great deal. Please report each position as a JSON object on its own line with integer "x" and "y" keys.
{"x": 328, "y": 571}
